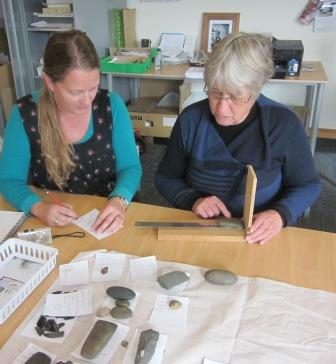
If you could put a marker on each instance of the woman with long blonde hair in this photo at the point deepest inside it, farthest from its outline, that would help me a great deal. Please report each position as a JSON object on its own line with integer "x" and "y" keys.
{"x": 70, "y": 136}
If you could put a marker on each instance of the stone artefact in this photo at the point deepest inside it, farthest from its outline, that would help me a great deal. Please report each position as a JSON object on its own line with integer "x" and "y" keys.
{"x": 98, "y": 337}
{"x": 103, "y": 311}
{"x": 175, "y": 304}
{"x": 123, "y": 303}
{"x": 39, "y": 358}
{"x": 120, "y": 293}
{"x": 172, "y": 279}
{"x": 146, "y": 347}
{"x": 49, "y": 327}
{"x": 220, "y": 277}
{"x": 104, "y": 270}
{"x": 120, "y": 312}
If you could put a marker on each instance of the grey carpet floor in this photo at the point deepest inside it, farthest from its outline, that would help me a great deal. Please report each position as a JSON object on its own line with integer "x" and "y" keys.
{"x": 322, "y": 215}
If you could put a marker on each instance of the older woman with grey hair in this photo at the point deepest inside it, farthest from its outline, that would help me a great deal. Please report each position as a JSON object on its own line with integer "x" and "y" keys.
{"x": 213, "y": 141}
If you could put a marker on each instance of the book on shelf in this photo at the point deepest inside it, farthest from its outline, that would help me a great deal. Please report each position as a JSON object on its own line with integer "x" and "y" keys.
{"x": 57, "y": 2}
{"x": 57, "y": 9}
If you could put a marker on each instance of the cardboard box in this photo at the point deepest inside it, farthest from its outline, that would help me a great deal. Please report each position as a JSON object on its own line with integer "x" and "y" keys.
{"x": 150, "y": 119}
{"x": 6, "y": 76}
{"x": 7, "y": 100}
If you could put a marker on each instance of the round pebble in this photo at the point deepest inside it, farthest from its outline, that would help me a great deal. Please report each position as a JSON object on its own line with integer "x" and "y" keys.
{"x": 121, "y": 312}
{"x": 220, "y": 277}
{"x": 122, "y": 303}
{"x": 103, "y": 311}
{"x": 175, "y": 304}
{"x": 124, "y": 344}
{"x": 120, "y": 293}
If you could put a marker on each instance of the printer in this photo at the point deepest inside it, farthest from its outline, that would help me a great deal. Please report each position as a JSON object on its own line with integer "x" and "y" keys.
{"x": 287, "y": 57}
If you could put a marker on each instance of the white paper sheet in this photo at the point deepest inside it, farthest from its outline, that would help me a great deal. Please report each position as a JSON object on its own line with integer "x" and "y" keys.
{"x": 85, "y": 222}
{"x": 143, "y": 269}
{"x": 75, "y": 303}
{"x": 30, "y": 331}
{"x": 108, "y": 267}
{"x": 29, "y": 351}
{"x": 74, "y": 273}
{"x": 255, "y": 320}
{"x": 165, "y": 317}
{"x": 133, "y": 347}
{"x": 110, "y": 348}
{"x": 209, "y": 361}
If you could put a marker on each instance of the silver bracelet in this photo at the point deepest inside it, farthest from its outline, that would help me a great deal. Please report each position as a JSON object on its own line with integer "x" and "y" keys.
{"x": 122, "y": 199}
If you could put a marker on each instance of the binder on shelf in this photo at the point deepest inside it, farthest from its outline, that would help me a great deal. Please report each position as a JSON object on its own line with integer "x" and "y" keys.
{"x": 10, "y": 222}
{"x": 129, "y": 27}
{"x": 122, "y": 27}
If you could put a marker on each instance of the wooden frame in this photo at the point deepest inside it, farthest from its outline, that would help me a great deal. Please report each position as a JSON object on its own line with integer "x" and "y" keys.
{"x": 219, "y": 234}
{"x": 216, "y": 26}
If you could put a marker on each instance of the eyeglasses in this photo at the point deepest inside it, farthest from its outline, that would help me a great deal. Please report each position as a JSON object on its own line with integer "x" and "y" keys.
{"x": 218, "y": 96}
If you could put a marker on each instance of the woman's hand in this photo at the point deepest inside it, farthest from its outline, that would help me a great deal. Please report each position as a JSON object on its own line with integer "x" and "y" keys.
{"x": 111, "y": 217}
{"x": 265, "y": 226}
{"x": 211, "y": 206}
{"x": 52, "y": 214}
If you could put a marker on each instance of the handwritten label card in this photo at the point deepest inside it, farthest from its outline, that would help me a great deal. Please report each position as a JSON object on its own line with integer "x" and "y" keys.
{"x": 29, "y": 351}
{"x": 164, "y": 316}
{"x": 74, "y": 273}
{"x": 108, "y": 267}
{"x": 143, "y": 269}
{"x": 75, "y": 303}
{"x": 85, "y": 222}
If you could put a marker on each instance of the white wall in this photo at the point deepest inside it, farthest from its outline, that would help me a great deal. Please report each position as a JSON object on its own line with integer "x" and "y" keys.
{"x": 278, "y": 17}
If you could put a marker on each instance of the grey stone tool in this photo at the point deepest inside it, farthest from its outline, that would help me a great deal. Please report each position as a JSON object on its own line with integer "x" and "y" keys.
{"x": 220, "y": 277}
{"x": 172, "y": 279}
{"x": 146, "y": 347}
{"x": 39, "y": 358}
{"x": 98, "y": 337}
{"x": 120, "y": 293}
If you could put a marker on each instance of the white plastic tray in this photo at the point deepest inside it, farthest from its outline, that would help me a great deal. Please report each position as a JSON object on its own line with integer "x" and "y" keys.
{"x": 16, "y": 248}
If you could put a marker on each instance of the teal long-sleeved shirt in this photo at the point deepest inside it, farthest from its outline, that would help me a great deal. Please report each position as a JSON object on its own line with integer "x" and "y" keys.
{"x": 15, "y": 159}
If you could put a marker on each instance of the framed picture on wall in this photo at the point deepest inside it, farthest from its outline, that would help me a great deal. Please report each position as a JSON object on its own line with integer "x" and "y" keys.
{"x": 216, "y": 26}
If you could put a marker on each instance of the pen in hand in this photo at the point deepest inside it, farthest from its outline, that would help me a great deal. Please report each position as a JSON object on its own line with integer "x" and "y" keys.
{"x": 54, "y": 198}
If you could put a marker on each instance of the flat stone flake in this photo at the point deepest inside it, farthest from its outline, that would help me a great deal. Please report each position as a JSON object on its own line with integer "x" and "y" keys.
{"x": 120, "y": 293}
{"x": 175, "y": 304}
{"x": 172, "y": 279}
{"x": 39, "y": 358}
{"x": 120, "y": 312}
{"x": 146, "y": 347}
{"x": 98, "y": 337}
{"x": 220, "y": 277}
{"x": 103, "y": 311}
{"x": 122, "y": 303}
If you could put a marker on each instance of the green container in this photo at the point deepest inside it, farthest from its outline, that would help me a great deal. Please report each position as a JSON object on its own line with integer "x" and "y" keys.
{"x": 142, "y": 67}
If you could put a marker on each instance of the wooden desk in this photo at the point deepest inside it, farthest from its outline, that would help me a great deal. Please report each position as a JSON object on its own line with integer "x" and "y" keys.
{"x": 297, "y": 256}
{"x": 313, "y": 80}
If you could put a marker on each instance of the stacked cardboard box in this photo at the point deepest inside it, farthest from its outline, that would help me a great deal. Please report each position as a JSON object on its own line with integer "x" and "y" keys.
{"x": 7, "y": 90}
{"x": 151, "y": 119}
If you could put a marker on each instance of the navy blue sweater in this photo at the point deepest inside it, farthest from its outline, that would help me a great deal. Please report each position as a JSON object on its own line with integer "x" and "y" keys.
{"x": 198, "y": 163}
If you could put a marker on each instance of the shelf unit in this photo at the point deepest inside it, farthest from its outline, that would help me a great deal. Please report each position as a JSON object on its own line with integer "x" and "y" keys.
{"x": 27, "y": 43}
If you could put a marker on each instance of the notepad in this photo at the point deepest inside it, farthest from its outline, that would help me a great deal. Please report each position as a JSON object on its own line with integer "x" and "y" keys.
{"x": 10, "y": 223}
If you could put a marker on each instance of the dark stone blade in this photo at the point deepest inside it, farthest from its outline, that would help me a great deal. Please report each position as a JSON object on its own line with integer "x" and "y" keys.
{"x": 98, "y": 337}
{"x": 39, "y": 358}
{"x": 146, "y": 348}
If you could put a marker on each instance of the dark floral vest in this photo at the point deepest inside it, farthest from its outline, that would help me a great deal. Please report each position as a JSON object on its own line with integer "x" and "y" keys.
{"x": 95, "y": 161}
